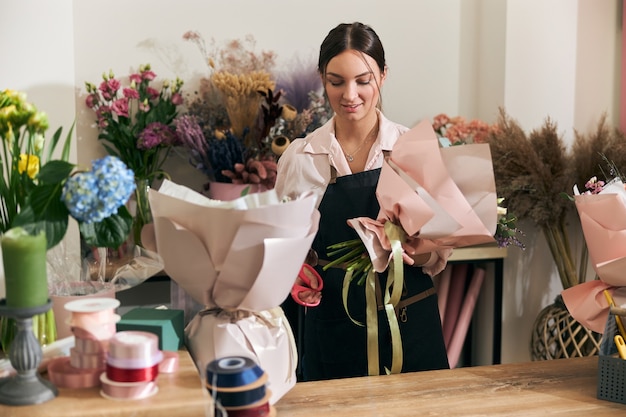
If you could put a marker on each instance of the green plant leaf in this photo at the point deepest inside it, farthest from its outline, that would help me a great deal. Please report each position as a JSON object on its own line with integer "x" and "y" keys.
{"x": 54, "y": 172}
{"x": 109, "y": 233}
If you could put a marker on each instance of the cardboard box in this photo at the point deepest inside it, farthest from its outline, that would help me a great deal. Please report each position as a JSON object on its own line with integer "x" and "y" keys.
{"x": 167, "y": 324}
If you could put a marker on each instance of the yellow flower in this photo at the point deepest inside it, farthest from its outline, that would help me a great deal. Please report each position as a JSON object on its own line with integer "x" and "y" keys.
{"x": 30, "y": 164}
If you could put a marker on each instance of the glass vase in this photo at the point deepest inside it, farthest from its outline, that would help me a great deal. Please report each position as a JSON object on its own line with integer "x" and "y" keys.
{"x": 142, "y": 215}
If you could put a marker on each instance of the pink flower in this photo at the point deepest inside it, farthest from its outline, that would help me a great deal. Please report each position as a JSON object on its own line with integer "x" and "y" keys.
{"x": 91, "y": 100}
{"x": 120, "y": 107}
{"x": 144, "y": 106}
{"x": 109, "y": 88}
{"x": 131, "y": 93}
{"x": 136, "y": 78}
{"x": 177, "y": 99}
{"x": 148, "y": 75}
{"x": 153, "y": 93}
{"x": 191, "y": 35}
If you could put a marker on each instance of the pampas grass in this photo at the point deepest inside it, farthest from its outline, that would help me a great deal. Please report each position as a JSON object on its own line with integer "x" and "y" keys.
{"x": 532, "y": 173}
{"x": 591, "y": 151}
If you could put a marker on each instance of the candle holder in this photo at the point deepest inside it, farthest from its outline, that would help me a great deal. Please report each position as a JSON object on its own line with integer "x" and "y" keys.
{"x": 25, "y": 354}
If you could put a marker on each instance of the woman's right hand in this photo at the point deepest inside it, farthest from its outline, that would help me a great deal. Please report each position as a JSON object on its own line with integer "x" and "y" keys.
{"x": 307, "y": 288}
{"x": 312, "y": 296}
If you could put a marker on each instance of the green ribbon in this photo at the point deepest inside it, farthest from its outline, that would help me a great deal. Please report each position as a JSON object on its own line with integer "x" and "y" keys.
{"x": 391, "y": 298}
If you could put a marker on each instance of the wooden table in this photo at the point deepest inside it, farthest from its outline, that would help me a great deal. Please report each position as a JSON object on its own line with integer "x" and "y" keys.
{"x": 562, "y": 387}
{"x": 181, "y": 394}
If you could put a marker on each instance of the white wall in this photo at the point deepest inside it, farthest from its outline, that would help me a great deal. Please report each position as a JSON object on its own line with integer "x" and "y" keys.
{"x": 535, "y": 57}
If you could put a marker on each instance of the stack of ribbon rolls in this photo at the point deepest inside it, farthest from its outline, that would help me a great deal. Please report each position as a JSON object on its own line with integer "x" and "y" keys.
{"x": 132, "y": 366}
{"x": 238, "y": 387}
{"x": 92, "y": 321}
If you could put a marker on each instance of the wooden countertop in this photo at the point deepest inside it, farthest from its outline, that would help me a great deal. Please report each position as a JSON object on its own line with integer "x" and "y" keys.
{"x": 181, "y": 394}
{"x": 562, "y": 387}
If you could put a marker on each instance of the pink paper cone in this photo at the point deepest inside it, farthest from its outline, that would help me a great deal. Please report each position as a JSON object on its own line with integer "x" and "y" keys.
{"x": 465, "y": 317}
{"x": 456, "y": 293}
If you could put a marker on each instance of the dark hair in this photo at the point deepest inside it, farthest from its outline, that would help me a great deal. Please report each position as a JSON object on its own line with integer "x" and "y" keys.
{"x": 355, "y": 36}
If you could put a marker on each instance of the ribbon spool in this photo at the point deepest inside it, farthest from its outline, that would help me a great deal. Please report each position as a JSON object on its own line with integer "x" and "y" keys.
{"x": 133, "y": 356}
{"x": 132, "y": 366}
{"x": 239, "y": 386}
{"x": 93, "y": 318}
{"x": 114, "y": 390}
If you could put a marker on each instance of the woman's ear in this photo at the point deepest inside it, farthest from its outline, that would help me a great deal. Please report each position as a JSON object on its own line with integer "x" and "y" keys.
{"x": 383, "y": 76}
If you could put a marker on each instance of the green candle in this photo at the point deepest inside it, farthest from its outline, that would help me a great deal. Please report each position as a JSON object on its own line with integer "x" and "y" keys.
{"x": 24, "y": 258}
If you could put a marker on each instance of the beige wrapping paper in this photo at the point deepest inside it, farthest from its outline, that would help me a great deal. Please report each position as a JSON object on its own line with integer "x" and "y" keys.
{"x": 239, "y": 259}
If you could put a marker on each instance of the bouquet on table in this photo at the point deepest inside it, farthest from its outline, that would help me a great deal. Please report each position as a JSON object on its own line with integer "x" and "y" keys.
{"x": 602, "y": 211}
{"x": 245, "y": 114}
{"x": 229, "y": 256}
{"x": 432, "y": 199}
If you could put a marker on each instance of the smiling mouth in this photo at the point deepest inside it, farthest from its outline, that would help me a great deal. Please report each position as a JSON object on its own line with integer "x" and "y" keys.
{"x": 351, "y": 106}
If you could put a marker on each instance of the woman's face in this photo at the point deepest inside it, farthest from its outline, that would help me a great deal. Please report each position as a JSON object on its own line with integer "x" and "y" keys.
{"x": 352, "y": 82}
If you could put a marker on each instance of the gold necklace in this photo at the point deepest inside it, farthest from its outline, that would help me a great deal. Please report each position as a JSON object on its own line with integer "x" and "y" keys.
{"x": 350, "y": 155}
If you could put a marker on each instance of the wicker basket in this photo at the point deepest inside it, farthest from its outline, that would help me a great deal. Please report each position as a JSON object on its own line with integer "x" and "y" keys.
{"x": 557, "y": 335}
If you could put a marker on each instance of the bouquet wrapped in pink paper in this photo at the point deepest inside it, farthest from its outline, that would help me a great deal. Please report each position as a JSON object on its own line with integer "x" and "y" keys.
{"x": 436, "y": 198}
{"x": 239, "y": 259}
{"x": 603, "y": 220}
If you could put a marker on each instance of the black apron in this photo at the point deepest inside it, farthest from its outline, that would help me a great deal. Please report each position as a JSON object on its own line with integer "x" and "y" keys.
{"x": 334, "y": 346}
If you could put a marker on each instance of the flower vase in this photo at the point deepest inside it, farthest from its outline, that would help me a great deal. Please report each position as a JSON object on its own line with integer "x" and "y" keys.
{"x": 142, "y": 213}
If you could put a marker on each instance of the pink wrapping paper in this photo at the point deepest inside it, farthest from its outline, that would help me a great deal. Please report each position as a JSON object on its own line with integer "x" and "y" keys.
{"x": 239, "y": 259}
{"x": 442, "y": 198}
{"x": 465, "y": 317}
{"x": 603, "y": 221}
{"x": 456, "y": 293}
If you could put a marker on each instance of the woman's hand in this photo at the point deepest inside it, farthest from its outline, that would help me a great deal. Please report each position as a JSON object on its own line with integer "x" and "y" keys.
{"x": 307, "y": 288}
{"x": 312, "y": 296}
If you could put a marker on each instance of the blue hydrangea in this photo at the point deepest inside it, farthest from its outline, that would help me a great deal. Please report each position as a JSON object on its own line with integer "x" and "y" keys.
{"x": 95, "y": 195}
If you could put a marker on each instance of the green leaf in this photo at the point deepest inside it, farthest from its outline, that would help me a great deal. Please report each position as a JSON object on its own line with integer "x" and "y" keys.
{"x": 109, "y": 233}
{"x": 54, "y": 224}
{"x": 55, "y": 172}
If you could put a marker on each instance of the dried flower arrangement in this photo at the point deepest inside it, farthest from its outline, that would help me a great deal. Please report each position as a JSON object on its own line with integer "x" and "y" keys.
{"x": 239, "y": 122}
{"x": 535, "y": 174}
{"x": 532, "y": 171}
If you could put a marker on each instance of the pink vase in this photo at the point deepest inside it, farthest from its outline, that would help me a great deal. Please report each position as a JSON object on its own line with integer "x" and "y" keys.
{"x": 226, "y": 191}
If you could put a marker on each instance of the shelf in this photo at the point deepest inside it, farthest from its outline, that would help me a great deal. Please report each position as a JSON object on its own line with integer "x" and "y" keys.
{"x": 478, "y": 252}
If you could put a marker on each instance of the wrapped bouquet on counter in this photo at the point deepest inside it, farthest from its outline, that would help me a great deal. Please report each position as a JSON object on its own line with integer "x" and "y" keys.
{"x": 603, "y": 219}
{"x": 239, "y": 259}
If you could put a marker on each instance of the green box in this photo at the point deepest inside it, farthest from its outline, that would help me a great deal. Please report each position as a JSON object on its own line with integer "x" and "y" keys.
{"x": 167, "y": 324}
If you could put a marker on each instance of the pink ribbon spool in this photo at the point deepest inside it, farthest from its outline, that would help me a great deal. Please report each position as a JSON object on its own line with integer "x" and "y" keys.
{"x": 62, "y": 374}
{"x": 89, "y": 346}
{"x": 136, "y": 352}
{"x": 93, "y": 318}
{"x": 126, "y": 390}
{"x": 82, "y": 360}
